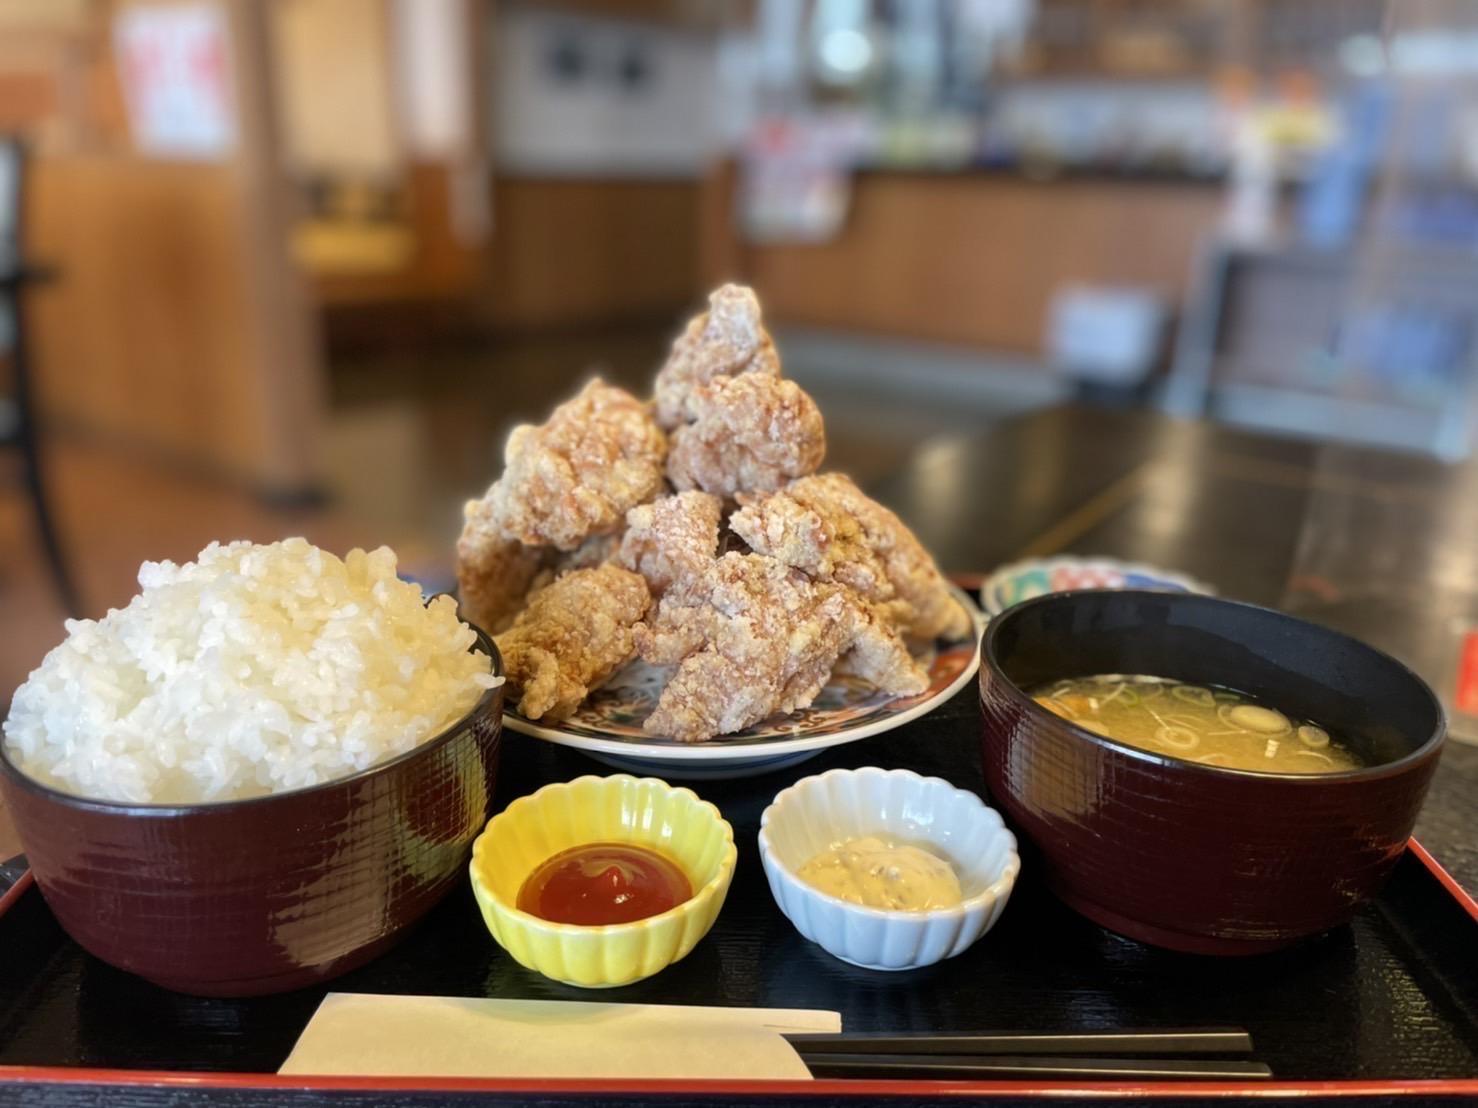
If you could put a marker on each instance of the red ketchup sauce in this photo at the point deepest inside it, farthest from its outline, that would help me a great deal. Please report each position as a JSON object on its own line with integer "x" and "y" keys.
{"x": 603, "y": 883}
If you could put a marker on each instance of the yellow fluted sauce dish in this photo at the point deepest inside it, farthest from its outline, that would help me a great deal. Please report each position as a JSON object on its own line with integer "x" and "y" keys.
{"x": 643, "y": 812}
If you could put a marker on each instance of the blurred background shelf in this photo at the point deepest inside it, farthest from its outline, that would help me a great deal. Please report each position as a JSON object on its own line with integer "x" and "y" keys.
{"x": 1373, "y": 344}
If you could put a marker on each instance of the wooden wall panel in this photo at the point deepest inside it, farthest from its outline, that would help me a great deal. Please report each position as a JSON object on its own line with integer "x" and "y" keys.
{"x": 562, "y": 253}
{"x": 590, "y": 251}
{"x": 153, "y": 332}
{"x": 974, "y": 259}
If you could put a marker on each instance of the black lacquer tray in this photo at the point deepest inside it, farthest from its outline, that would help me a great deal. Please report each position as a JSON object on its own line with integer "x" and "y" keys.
{"x": 1384, "y": 1009}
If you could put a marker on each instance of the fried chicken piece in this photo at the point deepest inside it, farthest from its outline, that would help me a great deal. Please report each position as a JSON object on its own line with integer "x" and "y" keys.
{"x": 576, "y": 475}
{"x": 880, "y": 657}
{"x": 726, "y": 340}
{"x": 752, "y": 637}
{"x": 572, "y": 636}
{"x": 750, "y": 433}
{"x": 826, "y": 526}
{"x": 594, "y": 551}
{"x": 672, "y": 540}
{"x": 805, "y": 527}
{"x": 494, "y": 573}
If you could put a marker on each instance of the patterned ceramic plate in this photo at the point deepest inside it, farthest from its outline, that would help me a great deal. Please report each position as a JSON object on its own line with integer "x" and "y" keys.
{"x": 608, "y": 724}
{"x": 1023, "y": 580}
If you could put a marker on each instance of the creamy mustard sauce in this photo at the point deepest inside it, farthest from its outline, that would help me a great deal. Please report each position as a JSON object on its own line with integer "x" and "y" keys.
{"x": 876, "y": 874}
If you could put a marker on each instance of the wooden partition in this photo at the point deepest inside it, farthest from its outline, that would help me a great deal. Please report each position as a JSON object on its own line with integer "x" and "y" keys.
{"x": 563, "y": 253}
{"x": 153, "y": 332}
{"x": 178, "y": 322}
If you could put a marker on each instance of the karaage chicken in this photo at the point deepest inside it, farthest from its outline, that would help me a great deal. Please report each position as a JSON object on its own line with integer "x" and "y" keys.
{"x": 605, "y": 538}
{"x": 576, "y": 475}
{"x": 750, "y": 433}
{"x": 572, "y": 636}
{"x": 827, "y": 526}
{"x": 494, "y": 573}
{"x": 724, "y": 341}
{"x": 752, "y": 637}
{"x": 672, "y": 540}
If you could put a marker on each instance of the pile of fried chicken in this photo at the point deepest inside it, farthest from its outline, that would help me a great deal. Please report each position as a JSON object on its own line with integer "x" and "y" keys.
{"x": 693, "y": 531}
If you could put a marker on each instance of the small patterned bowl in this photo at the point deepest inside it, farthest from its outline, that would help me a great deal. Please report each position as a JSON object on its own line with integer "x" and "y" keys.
{"x": 1011, "y": 584}
{"x": 641, "y": 811}
{"x": 818, "y": 813}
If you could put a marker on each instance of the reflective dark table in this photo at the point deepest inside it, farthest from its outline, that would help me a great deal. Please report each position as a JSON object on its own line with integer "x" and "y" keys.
{"x": 1380, "y": 545}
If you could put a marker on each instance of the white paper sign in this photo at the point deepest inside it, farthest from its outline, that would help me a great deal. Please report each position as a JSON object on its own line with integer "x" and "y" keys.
{"x": 427, "y": 1036}
{"x": 174, "y": 61}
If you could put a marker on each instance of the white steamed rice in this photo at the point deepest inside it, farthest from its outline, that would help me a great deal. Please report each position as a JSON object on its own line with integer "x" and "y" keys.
{"x": 253, "y": 670}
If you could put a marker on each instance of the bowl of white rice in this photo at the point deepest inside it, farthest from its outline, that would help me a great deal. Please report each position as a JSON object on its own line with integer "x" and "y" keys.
{"x": 260, "y": 771}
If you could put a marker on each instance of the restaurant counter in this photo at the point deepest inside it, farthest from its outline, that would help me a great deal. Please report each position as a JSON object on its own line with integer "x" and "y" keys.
{"x": 974, "y": 257}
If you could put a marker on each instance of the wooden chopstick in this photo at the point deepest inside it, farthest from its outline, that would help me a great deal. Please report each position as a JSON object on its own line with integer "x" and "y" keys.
{"x": 1182, "y": 1041}
{"x": 919, "y": 1067}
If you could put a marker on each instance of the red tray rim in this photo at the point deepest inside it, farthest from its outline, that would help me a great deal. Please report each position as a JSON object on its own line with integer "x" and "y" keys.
{"x": 179, "y": 1079}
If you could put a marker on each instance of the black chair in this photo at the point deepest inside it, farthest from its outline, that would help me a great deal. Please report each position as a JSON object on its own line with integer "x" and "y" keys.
{"x": 17, "y": 411}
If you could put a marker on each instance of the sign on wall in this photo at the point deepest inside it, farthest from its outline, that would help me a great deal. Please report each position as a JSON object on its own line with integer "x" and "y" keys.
{"x": 174, "y": 63}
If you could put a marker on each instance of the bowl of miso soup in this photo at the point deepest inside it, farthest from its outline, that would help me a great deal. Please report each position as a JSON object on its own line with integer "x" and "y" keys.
{"x": 1202, "y": 774}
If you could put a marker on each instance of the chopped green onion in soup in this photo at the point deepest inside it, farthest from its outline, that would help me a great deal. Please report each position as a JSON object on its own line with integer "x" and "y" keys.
{"x": 1208, "y": 725}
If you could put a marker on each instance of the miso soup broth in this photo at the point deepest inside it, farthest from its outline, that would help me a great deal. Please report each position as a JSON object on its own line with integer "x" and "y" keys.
{"x": 1197, "y": 723}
